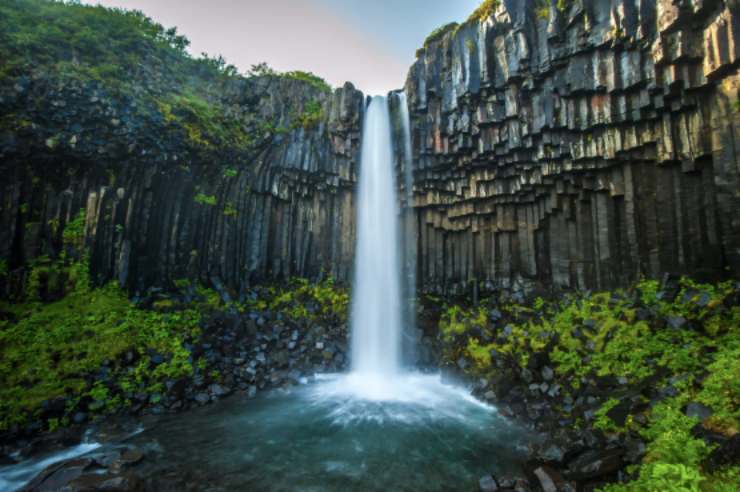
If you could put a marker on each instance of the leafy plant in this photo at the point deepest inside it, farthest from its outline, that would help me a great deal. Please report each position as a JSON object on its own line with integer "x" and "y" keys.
{"x": 203, "y": 199}
{"x": 74, "y": 231}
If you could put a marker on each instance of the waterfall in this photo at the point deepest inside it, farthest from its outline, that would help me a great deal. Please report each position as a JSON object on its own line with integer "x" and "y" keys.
{"x": 409, "y": 231}
{"x": 376, "y": 308}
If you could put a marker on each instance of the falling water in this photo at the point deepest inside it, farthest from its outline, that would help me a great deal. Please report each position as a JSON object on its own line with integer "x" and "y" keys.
{"x": 409, "y": 231}
{"x": 376, "y": 311}
{"x": 377, "y": 428}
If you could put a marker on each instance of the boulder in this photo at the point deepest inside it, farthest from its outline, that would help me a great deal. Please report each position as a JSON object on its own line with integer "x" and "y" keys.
{"x": 595, "y": 463}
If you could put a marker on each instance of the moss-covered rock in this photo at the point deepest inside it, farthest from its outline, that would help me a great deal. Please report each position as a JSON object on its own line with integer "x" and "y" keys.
{"x": 624, "y": 364}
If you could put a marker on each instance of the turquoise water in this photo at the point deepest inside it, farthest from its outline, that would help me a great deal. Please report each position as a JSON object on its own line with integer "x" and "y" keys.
{"x": 321, "y": 437}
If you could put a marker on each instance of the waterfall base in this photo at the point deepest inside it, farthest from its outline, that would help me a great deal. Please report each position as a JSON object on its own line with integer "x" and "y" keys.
{"x": 338, "y": 433}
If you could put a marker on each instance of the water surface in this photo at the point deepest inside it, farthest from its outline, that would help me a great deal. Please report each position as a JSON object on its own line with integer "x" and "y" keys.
{"x": 326, "y": 437}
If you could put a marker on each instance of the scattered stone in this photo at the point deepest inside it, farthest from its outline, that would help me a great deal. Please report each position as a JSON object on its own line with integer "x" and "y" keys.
{"x": 596, "y": 463}
{"x": 549, "y": 478}
{"x": 698, "y": 411}
{"x": 676, "y": 322}
{"x": 487, "y": 484}
{"x": 202, "y": 398}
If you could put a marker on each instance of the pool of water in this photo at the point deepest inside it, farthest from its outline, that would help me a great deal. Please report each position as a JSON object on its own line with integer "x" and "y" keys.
{"x": 419, "y": 435}
{"x": 337, "y": 433}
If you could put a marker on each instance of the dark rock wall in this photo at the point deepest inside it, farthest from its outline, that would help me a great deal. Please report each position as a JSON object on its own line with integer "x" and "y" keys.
{"x": 582, "y": 150}
{"x": 286, "y": 210}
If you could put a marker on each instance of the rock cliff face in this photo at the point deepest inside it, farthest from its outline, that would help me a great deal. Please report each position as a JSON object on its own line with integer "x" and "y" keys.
{"x": 155, "y": 214}
{"x": 580, "y": 144}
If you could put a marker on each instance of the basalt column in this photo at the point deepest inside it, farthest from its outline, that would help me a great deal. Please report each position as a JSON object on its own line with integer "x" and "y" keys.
{"x": 580, "y": 145}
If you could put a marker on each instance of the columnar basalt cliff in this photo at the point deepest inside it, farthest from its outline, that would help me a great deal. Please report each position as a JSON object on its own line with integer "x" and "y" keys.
{"x": 156, "y": 213}
{"x": 580, "y": 144}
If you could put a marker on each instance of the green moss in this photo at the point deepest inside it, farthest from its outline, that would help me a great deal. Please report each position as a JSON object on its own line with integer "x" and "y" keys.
{"x": 603, "y": 422}
{"x": 542, "y": 9}
{"x": 324, "y": 296}
{"x": 51, "y": 348}
{"x": 674, "y": 455}
{"x": 721, "y": 389}
{"x": 311, "y": 116}
{"x": 480, "y": 354}
{"x": 3, "y": 268}
{"x": 600, "y": 335}
{"x": 439, "y": 33}
{"x": 206, "y": 124}
{"x": 230, "y": 210}
{"x": 484, "y": 11}
{"x": 203, "y": 199}
{"x": 74, "y": 230}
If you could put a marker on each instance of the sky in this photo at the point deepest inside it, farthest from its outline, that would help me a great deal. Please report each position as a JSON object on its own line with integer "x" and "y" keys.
{"x": 371, "y": 43}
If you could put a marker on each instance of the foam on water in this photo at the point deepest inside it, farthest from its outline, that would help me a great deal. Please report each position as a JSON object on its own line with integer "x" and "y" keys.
{"x": 14, "y": 477}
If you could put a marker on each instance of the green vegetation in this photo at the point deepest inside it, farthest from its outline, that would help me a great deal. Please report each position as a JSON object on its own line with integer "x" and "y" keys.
{"x": 264, "y": 70}
{"x": 206, "y": 125}
{"x": 203, "y": 199}
{"x": 74, "y": 231}
{"x": 439, "y": 33}
{"x": 127, "y": 60}
{"x": 311, "y": 116}
{"x": 311, "y": 79}
{"x": 542, "y": 8}
{"x": 690, "y": 343}
{"x": 484, "y": 11}
{"x": 91, "y": 42}
{"x": 230, "y": 210}
{"x": 49, "y": 349}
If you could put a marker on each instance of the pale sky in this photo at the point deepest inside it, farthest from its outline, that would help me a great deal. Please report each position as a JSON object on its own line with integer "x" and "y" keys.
{"x": 370, "y": 43}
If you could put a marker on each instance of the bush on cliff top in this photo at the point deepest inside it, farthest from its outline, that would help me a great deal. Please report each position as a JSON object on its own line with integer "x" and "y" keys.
{"x": 124, "y": 56}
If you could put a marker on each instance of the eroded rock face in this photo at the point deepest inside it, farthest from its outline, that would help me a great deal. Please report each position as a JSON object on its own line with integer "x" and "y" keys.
{"x": 155, "y": 214}
{"x": 580, "y": 150}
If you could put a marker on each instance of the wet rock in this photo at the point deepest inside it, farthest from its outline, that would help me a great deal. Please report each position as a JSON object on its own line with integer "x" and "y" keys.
{"x": 552, "y": 453}
{"x": 620, "y": 412}
{"x": 550, "y": 479}
{"x": 202, "y": 398}
{"x": 676, "y": 322}
{"x": 547, "y": 373}
{"x": 698, "y": 411}
{"x": 526, "y": 375}
{"x": 105, "y": 482}
{"x": 219, "y": 391}
{"x": 487, "y": 484}
{"x": 595, "y": 463}
{"x": 56, "y": 476}
{"x": 129, "y": 458}
{"x": 726, "y": 452}
{"x": 634, "y": 450}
